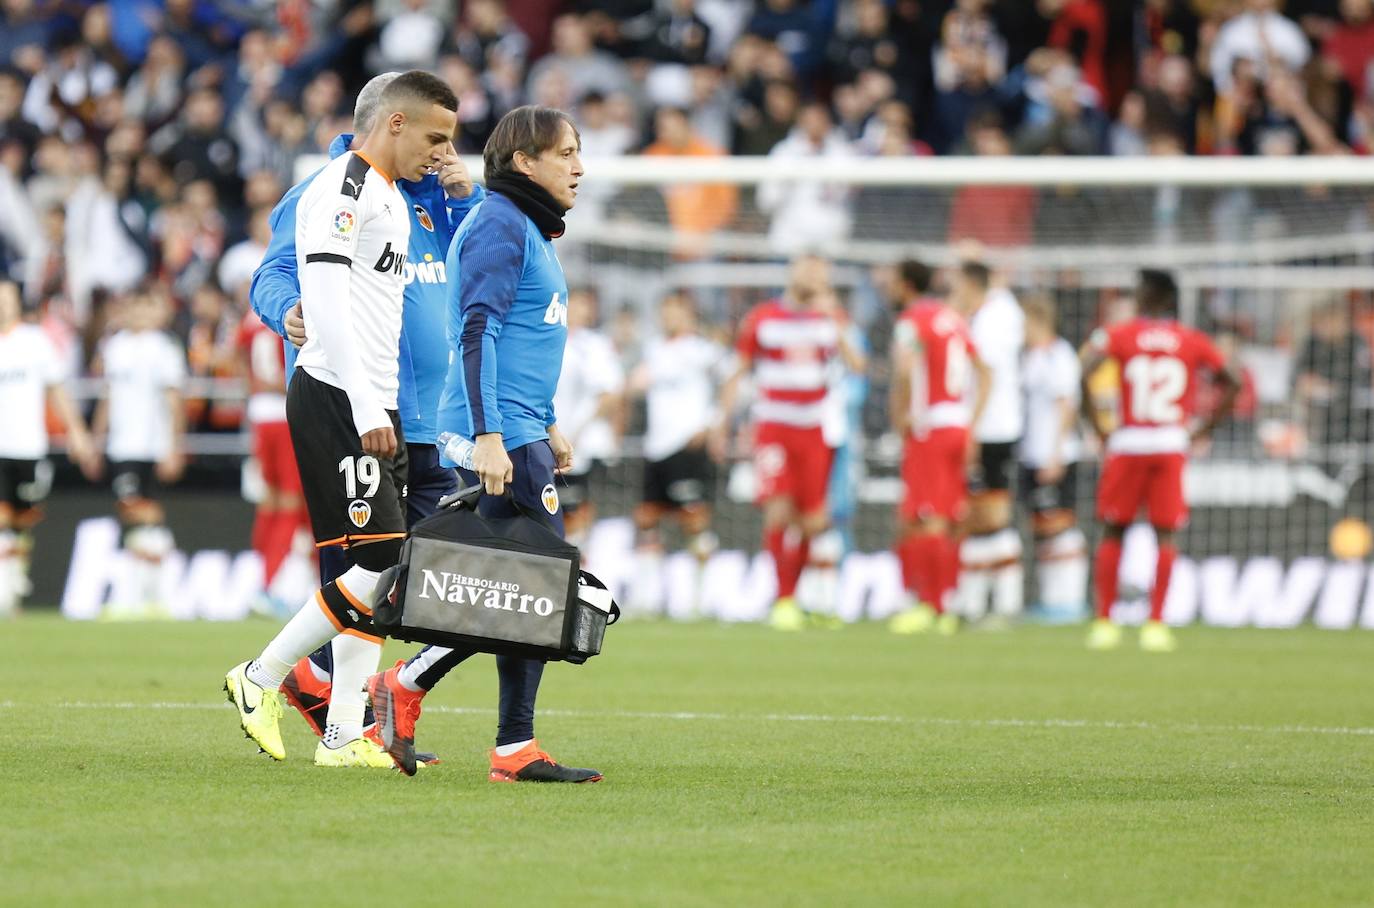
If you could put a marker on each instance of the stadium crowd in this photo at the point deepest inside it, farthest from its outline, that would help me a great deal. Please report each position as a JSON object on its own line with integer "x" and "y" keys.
{"x": 148, "y": 138}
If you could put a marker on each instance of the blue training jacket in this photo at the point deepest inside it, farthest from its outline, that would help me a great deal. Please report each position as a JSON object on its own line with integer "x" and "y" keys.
{"x": 507, "y": 325}
{"x": 423, "y": 352}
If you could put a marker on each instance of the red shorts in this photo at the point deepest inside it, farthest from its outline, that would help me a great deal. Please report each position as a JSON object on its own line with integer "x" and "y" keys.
{"x": 792, "y": 462}
{"x": 1132, "y": 481}
{"x": 276, "y": 458}
{"x": 933, "y": 473}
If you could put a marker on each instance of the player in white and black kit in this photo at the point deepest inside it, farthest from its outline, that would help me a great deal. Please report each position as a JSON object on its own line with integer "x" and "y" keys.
{"x": 31, "y": 373}
{"x": 352, "y": 235}
{"x": 680, "y": 378}
{"x": 588, "y": 404}
{"x": 1050, "y": 374}
{"x": 143, "y": 420}
{"x": 990, "y": 555}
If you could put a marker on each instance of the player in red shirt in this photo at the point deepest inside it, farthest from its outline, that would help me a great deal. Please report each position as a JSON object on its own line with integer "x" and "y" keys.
{"x": 282, "y": 508}
{"x": 1159, "y": 360}
{"x": 934, "y": 365}
{"x": 792, "y": 346}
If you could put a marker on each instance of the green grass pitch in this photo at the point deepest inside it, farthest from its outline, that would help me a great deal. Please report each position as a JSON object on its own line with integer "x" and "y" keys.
{"x": 742, "y": 767}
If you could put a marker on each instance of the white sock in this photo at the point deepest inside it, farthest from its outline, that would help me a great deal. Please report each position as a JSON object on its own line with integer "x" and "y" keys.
{"x": 1008, "y": 581}
{"x": 424, "y": 660}
{"x": 336, "y": 736}
{"x": 505, "y": 750}
{"x": 354, "y": 659}
{"x": 307, "y": 631}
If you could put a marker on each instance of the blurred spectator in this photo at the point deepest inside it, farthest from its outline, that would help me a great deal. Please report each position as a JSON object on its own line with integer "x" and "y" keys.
{"x": 1171, "y": 105}
{"x": 970, "y": 49}
{"x": 582, "y": 67}
{"x": 758, "y": 131}
{"x": 678, "y": 35}
{"x": 477, "y": 117}
{"x": 198, "y": 147}
{"x": 410, "y": 39}
{"x": 485, "y": 32}
{"x": 1261, "y": 36}
{"x": 695, "y": 210}
{"x": 45, "y": 274}
{"x": 1128, "y": 132}
{"x": 107, "y": 233}
{"x": 64, "y": 95}
{"x": 994, "y": 215}
{"x": 13, "y": 126}
{"x": 1350, "y": 44}
{"x": 1334, "y": 381}
{"x": 807, "y": 214}
{"x": 797, "y": 29}
{"x": 154, "y": 91}
{"x": 54, "y": 175}
{"x": 604, "y": 135}
{"x": 711, "y": 104}
{"x": 1080, "y": 28}
{"x": 22, "y": 25}
{"x": 871, "y": 45}
{"x": 1065, "y": 121}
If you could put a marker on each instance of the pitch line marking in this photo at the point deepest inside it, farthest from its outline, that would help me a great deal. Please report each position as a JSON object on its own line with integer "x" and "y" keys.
{"x": 1088, "y": 724}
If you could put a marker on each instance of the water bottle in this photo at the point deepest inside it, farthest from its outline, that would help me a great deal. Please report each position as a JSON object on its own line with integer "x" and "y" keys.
{"x": 457, "y": 449}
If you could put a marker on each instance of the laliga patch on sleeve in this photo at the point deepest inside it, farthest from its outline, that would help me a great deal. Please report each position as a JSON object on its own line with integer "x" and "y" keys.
{"x": 342, "y": 224}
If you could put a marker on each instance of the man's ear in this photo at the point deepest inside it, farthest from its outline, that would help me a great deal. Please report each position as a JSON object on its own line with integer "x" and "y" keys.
{"x": 523, "y": 163}
{"x": 395, "y": 122}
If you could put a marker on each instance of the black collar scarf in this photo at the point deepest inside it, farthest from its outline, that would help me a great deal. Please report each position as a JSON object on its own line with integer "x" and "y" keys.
{"x": 534, "y": 200}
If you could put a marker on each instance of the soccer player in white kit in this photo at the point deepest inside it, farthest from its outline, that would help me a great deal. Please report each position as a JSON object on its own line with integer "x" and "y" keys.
{"x": 680, "y": 376}
{"x": 990, "y": 555}
{"x": 31, "y": 373}
{"x": 588, "y": 403}
{"x": 143, "y": 420}
{"x": 1051, "y": 375}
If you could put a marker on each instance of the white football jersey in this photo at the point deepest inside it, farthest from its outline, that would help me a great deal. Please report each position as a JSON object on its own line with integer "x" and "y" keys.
{"x": 140, "y": 367}
{"x": 591, "y": 368}
{"x": 28, "y": 366}
{"x": 684, "y": 375}
{"x": 999, "y": 333}
{"x": 1051, "y": 375}
{"x": 352, "y": 214}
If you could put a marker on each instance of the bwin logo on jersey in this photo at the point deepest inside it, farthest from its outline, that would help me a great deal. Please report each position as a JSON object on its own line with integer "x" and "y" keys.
{"x": 395, "y": 262}
{"x": 425, "y": 273}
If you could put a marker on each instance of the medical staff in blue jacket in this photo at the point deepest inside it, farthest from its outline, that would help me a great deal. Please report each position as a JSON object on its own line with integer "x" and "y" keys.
{"x": 507, "y": 325}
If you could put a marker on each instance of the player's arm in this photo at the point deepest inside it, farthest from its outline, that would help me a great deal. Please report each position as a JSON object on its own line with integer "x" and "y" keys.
{"x": 329, "y": 222}
{"x": 982, "y": 386}
{"x": 171, "y": 467}
{"x": 493, "y": 255}
{"x": 1091, "y": 357}
{"x": 906, "y": 357}
{"x": 80, "y": 448}
{"x": 1230, "y": 378}
{"x": 276, "y": 289}
{"x": 1066, "y": 411}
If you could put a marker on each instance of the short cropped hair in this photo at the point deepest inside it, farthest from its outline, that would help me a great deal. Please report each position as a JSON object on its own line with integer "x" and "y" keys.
{"x": 978, "y": 273}
{"x": 418, "y": 86}
{"x": 369, "y": 99}
{"x": 529, "y": 129}
{"x": 916, "y": 275}
{"x": 1157, "y": 293}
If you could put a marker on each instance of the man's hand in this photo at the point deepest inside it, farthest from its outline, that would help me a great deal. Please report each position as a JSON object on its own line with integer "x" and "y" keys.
{"x": 380, "y": 442}
{"x": 973, "y": 451}
{"x": 562, "y": 450}
{"x": 170, "y": 468}
{"x": 295, "y": 326}
{"x": 492, "y": 464}
{"x": 454, "y": 176}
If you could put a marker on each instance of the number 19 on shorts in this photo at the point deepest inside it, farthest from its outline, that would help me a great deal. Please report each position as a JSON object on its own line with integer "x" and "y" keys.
{"x": 358, "y": 471}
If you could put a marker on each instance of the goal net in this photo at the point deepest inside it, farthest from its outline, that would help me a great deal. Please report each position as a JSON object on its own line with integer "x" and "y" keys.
{"x": 1274, "y": 257}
